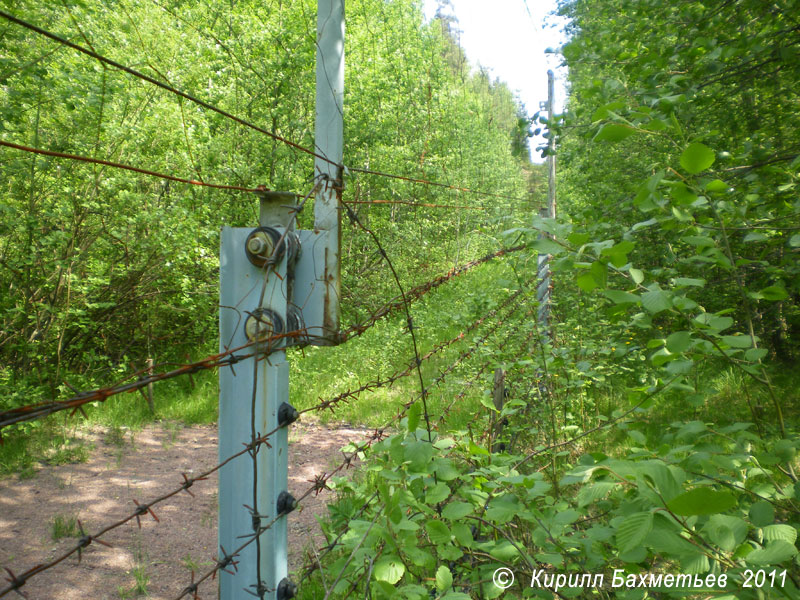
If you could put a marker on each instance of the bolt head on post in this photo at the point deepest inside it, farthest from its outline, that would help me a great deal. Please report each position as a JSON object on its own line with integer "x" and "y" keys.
{"x": 286, "y": 589}
{"x": 285, "y": 504}
{"x": 262, "y": 324}
{"x": 264, "y": 246}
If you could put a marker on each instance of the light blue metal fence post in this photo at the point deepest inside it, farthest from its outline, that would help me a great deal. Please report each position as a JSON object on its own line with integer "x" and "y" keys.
{"x": 329, "y": 141}
{"x": 265, "y": 290}
{"x": 253, "y": 301}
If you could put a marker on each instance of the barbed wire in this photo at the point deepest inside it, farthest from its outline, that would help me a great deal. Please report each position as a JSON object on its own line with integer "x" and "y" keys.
{"x": 156, "y": 82}
{"x": 417, "y": 292}
{"x": 227, "y": 358}
{"x": 108, "y": 163}
{"x": 353, "y": 217}
{"x": 477, "y": 376}
{"x": 387, "y": 381}
{"x": 379, "y": 433}
{"x": 230, "y": 357}
{"x": 447, "y": 186}
{"x": 415, "y": 204}
{"x": 207, "y": 105}
{"x": 17, "y": 581}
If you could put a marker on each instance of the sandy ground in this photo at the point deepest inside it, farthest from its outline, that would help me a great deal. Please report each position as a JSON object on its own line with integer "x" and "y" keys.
{"x": 143, "y": 466}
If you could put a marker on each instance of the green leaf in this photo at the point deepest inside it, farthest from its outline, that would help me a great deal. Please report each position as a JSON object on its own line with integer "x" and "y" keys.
{"x": 503, "y": 508}
{"x": 389, "y": 569}
{"x": 462, "y": 533}
{"x": 794, "y": 241}
{"x": 437, "y": 494}
{"x": 504, "y": 550}
{"x": 755, "y": 236}
{"x": 614, "y": 132}
{"x": 697, "y": 157}
{"x": 445, "y": 470}
{"x": 636, "y": 275}
{"x": 633, "y": 530}
{"x": 737, "y": 341}
{"x": 437, "y": 531}
{"x": 656, "y": 301}
{"x": 774, "y": 293}
{"x": 444, "y": 579}
{"x": 456, "y": 510}
{"x": 774, "y": 553}
{"x": 682, "y": 194}
{"x": 586, "y": 282}
{"x": 689, "y": 281}
{"x": 701, "y": 501}
{"x": 680, "y": 341}
{"x": 413, "y": 416}
{"x": 578, "y": 239}
{"x": 599, "y": 271}
{"x": 780, "y": 532}
{"x": 591, "y": 493}
{"x": 488, "y": 403}
{"x": 726, "y": 531}
{"x": 474, "y": 449}
{"x": 620, "y": 297}
{"x": 546, "y": 246}
{"x": 714, "y": 322}
{"x": 419, "y": 454}
{"x": 716, "y": 186}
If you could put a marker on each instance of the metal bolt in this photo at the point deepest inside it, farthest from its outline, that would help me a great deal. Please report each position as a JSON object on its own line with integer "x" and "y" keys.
{"x": 287, "y": 414}
{"x": 285, "y": 504}
{"x": 262, "y": 246}
{"x": 261, "y": 324}
{"x": 286, "y": 589}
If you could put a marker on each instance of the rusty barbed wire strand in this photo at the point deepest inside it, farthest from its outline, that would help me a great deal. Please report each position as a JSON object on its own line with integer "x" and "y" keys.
{"x": 318, "y": 484}
{"x": 409, "y": 203}
{"x": 17, "y": 581}
{"x": 207, "y": 105}
{"x": 383, "y": 382}
{"x": 156, "y": 82}
{"x": 108, "y": 163}
{"x": 379, "y": 432}
{"x": 433, "y": 183}
{"x": 417, "y": 292}
{"x": 43, "y": 409}
{"x": 353, "y": 217}
{"x": 449, "y": 369}
{"x": 442, "y": 375}
{"x": 500, "y": 346}
{"x": 227, "y": 358}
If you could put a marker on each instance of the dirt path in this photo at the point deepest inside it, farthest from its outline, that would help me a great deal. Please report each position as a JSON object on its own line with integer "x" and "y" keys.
{"x": 160, "y": 556}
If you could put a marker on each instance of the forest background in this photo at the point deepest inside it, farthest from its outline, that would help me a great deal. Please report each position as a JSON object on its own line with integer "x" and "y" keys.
{"x": 657, "y": 431}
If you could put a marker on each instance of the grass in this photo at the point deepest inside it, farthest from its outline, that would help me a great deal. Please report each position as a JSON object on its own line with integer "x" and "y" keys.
{"x": 40, "y": 443}
{"x": 139, "y": 573}
{"x": 316, "y": 373}
{"x": 193, "y": 564}
{"x": 64, "y": 526}
{"x": 320, "y": 373}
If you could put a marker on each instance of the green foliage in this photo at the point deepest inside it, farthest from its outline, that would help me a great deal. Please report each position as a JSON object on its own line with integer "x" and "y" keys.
{"x": 690, "y": 500}
{"x": 105, "y": 268}
{"x": 64, "y": 526}
{"x": 663, "y": 437}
